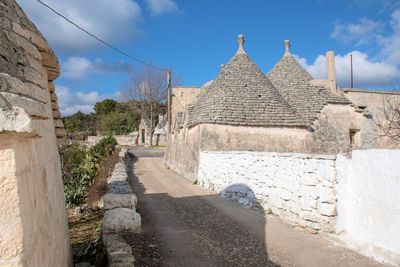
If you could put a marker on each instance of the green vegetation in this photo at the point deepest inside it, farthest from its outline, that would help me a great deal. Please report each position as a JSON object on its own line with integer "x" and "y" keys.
{"x": 110, "y": 117}
{"x": 79, "y": 122}
{"x": 79, "y": 167}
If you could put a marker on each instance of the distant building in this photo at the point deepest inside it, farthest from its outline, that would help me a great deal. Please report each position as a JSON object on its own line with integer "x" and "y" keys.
{"x": 159, "y": 133}
{"x": 144, "y": 132}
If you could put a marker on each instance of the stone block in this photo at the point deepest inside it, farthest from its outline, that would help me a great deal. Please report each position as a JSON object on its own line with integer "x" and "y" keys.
{"x": 327, "y": 209}
{"x": 56, "y": 114}
{"x": 112, "y": 201}
{"x": 119, "y": 187}
{"x": 119, "y": 253}
{"x": 307, "y": 203}
{"x": 36, "y": 39}
{"x": 325, "y": 194}
{"x": 58, "y": 123}
{"x": 24, "y": 44}
{"x": 33, "y": 108}
{"x": 121, "y": 220}
{"x": 51, "y": 87}
{"x": 10, "y": 84}
{"x": 38, "y": 77}
{"x": 54, "y": 96}
{"x": 307, "y": 191}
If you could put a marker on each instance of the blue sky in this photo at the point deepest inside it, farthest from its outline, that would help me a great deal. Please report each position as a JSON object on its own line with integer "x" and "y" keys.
{"x": 195, "y": 37}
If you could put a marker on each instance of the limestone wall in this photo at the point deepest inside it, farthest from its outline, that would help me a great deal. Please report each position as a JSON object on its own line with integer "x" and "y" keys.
{"x": 182, "y": 96}
{"x": 368, "y": 193}
{"x": 298, "y": 187}
{"x": 182, "y": 152}
{"x": 373, "y": 100}
{"x": 122, "y": 140}
{"x": 33, "y": 221}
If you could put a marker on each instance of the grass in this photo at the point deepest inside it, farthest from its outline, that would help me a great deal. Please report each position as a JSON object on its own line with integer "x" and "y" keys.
{"x": 84, "y": 229}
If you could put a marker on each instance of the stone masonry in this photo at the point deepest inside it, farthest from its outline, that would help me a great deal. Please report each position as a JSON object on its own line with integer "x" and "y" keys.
{"x": 120, "y": 216}
{"x": 33, "y": 221}
{"x": 298, "y": 187}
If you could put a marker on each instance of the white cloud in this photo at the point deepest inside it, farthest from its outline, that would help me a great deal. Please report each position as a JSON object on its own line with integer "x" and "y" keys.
{"x": 382, "y": 70}
{"x": 366, "y": 72}
{"x": 158, "y": 7}
{"x": 78, "y": 68}
{"x": 71, "y": 102}
{"x": 113, "y": 21}
{"x": 391, "y": 44}
{"x": 363, "y": 31}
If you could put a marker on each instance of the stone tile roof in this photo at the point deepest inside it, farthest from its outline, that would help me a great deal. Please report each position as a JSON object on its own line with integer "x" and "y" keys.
{"x": 292, "y": 81}
{"x": 243, "y": 95}
{"x": 145, "y": 123}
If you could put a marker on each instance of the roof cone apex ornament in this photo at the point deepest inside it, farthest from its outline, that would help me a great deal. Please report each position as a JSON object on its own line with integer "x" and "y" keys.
{"x": 241, "y": 43}
{"x": 286, "y": 43}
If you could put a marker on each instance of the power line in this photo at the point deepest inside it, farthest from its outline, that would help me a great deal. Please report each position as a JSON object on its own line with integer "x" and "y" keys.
{"x": 100, "y": 40}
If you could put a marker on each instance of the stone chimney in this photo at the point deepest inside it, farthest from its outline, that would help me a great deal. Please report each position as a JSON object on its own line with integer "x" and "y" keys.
{"x": 330, "y": 64}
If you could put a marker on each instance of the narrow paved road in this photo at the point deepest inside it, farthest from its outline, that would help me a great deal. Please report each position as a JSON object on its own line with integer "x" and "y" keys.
{"x": 186, "y": 225}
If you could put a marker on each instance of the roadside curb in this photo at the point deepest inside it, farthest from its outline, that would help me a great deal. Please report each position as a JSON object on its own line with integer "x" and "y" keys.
{"x": 120, "y": 216}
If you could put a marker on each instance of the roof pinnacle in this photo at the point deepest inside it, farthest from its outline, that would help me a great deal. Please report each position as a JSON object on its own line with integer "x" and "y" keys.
{"x": 286, "y": 43}
{"x": 241, "y": 43}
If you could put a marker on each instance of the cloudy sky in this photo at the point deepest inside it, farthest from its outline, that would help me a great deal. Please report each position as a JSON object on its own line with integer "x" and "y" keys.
{"x": 195, "y": 37}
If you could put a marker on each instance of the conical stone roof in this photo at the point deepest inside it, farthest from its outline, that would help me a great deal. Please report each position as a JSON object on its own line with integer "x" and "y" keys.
{"x": 243, "y": 95}
{"x": 293, "y": 82}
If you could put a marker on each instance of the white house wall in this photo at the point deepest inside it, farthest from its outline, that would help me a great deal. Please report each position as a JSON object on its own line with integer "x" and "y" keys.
{"x": 369, "y": 202}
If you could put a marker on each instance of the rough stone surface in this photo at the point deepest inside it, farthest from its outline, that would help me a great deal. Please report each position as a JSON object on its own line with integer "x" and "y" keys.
{"x": 33, "y": 221}
{"x": 293, "y": 82}
{"x": 113, "y": 200}
{"x": 119, "y": 253}
{"x": 120, "y": 217}
{"x": 288, "y": 184}
{"x": 243, "y": 95}
{"x": 121, "y": 220}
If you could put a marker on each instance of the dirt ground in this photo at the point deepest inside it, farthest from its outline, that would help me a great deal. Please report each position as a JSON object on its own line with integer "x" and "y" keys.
{"x": 85, "y": 224}
{"x": 99, "y": 187}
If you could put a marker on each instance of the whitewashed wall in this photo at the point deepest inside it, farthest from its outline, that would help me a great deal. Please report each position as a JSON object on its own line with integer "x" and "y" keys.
{"x": 368, "y": 205}
{"x": 122, "y": 140}
{"x": 356, "y": 196}
{"x": 298, "y": 187}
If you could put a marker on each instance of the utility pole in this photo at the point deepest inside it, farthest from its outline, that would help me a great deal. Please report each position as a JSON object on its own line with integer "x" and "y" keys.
{"x": 169, "y": 102}
{"x": 351, "y": 71}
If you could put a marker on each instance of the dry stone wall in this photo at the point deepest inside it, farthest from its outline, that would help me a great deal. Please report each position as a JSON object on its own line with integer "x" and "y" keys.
{"x": 33, "y": 221}
{"x": 122, "y": 140}
{"x": 298, "y": 187}
{"x": 120, "y": 216}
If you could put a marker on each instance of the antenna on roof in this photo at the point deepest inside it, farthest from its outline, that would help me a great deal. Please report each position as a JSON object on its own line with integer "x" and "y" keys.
{"x": 241, "y": 43}
{"x": 286, "y": 43}
{"x": 351, "y": 70}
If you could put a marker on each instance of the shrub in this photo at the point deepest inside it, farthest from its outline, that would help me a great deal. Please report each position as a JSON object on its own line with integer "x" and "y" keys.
{"x": 80, "y": 166}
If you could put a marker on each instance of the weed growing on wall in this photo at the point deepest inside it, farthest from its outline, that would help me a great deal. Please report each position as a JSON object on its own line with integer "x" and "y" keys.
{"x": 80, "y": 165}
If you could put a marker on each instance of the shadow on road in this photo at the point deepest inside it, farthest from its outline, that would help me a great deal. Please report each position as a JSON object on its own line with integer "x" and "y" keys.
{"x": 204, "y": 230}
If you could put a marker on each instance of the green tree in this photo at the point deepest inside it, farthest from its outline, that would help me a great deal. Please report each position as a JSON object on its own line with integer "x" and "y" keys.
{"x": 106, "y": 106}
{"x": 79, "y": 122}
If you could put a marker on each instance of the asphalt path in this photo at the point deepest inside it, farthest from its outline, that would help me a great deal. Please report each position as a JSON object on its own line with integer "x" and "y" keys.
{"x": 187, "y": 225}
